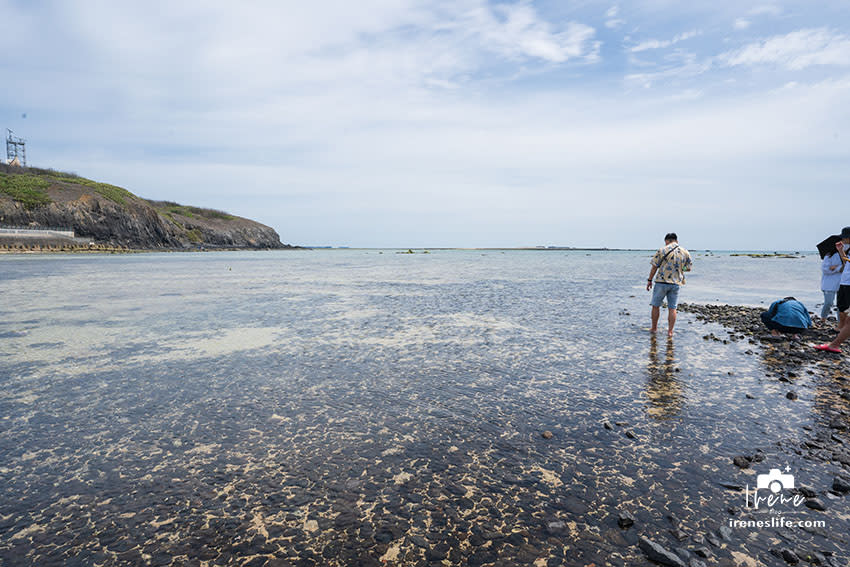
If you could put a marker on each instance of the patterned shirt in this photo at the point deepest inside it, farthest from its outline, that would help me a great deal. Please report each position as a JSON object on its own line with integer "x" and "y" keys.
{"x": 672, "y": 269}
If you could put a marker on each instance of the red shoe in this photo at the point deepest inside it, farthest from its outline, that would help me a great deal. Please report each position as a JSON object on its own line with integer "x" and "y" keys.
{"x": 828, "y": 348}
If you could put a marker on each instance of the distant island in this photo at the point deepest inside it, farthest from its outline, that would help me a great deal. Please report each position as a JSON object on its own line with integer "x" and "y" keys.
{"x": 54, "y": 210}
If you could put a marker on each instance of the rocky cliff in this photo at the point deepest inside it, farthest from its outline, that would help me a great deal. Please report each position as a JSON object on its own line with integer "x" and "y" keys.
{"x": 106, "y": 214}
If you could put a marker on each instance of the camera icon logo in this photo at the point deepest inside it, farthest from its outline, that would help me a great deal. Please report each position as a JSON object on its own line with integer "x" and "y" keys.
{"x": 775, "y": 481}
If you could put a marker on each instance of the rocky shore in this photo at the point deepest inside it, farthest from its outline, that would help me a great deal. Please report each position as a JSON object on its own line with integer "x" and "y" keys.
{"x": 801, "y": 371}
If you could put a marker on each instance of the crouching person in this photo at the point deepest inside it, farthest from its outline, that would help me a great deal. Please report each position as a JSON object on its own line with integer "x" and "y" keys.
{"x": 787, "y": 316}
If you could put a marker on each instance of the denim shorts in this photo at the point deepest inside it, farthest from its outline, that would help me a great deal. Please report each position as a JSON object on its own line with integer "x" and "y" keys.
{"x": 662, "y": 290}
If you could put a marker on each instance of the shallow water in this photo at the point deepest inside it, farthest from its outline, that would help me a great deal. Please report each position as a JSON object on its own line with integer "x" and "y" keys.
{"x": 330, "y": 407}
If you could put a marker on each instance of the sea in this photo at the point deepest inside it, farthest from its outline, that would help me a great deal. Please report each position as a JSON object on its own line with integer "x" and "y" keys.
{"x": 372, "y": 407}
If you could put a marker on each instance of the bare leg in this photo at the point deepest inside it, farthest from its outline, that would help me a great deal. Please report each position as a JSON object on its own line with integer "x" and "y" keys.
{"x": 656, "y": 312}
{"x": 842, "y": 319}
{"x": 842, "y": 336}
{"x": 671, "y": 321}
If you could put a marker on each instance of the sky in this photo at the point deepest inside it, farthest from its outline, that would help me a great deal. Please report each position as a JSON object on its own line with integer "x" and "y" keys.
{"x": 468, "y": 123}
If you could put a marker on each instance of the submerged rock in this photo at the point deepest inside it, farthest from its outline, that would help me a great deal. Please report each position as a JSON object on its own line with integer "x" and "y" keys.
{"x": 625, "y": 520}
{"x": 655, "y": 552}
{"x": 840, "y": 485}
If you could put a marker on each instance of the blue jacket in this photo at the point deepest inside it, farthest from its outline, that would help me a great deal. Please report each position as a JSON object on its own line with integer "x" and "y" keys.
{"x": 790, "y": 313}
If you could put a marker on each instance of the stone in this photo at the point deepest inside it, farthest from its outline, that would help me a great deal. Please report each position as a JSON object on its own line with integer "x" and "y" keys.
{"x": 625, "y": 520}
{"x": 789, "y": 556}
{"x": 546, "y": 434}
{"x": 840, "y": 485}
{"x": 437, "y": 553}
{"x": 655, "y": 552}
{"x": 703, "y": 552}
{"x": 815, "y": 504}
{"x": 742, "y": 461}
{"x": 556, "y": 527}
{"x": 791, "y": 395}
{"x": 806, "y": 491}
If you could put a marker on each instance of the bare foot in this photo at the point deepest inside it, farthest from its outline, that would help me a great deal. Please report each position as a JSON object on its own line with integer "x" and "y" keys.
{"x": 670, "y": 334}
{"x": 653, "y": 330}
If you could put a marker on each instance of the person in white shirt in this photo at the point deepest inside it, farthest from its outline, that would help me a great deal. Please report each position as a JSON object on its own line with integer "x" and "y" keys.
{"x": 843, "y": 297}
{"x": 830, "y": 280}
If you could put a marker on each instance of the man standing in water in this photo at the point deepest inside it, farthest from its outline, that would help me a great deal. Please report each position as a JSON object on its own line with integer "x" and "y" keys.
{"x": 670, "y": 262}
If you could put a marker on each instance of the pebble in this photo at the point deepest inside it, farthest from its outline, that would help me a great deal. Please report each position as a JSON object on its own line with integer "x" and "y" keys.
{"x": 625, "y": 520}
{"x": 546, "y": 434}
{"x": 791, "y": 395}
{"x": 815, "y": 504}
{"x": 742, "y": 461}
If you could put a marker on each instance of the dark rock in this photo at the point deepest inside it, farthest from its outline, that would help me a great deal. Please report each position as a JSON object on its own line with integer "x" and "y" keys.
{"x": 789, "y": 556}
{"x": 815, "y": 504}
{"x": 791, "y": 395}
{"x": 657, "y": 553}
{"x": 438, "y": 552}
{"x": 419, "y": 541}
{"x": 608, "y": 426}
{"x": 725, "y": 533}
{"x": 703, "y": 552}
{"x": 806, "y": 491}
{"x": 625, "y": 520}
{"x": 742, "y": 461}
{"x": 556, "y": 527}
{"x": 840, "y": 485}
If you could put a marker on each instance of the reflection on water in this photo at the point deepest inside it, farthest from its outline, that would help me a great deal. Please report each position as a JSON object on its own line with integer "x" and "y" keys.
{"x": 663, "y": 388}
{"x": 355, "y": 408}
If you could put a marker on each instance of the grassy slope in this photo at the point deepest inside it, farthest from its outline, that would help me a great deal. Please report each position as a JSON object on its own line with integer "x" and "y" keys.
{"x": 30, "y": 189}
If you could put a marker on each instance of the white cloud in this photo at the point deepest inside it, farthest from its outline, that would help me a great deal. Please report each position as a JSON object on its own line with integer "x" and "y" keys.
{"x": 612, "y": 21}
{"x": 659, "y": 44}
{"x": 741, "y": 24}
{"x": 766, "y": 10}
{"x": 795, "y": 51}
{"x": 522, "y": 33}
{"x": 384, "y": 122}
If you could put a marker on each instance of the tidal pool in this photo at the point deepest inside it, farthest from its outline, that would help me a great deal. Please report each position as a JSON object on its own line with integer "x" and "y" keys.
{"x": 366, "y": 408}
